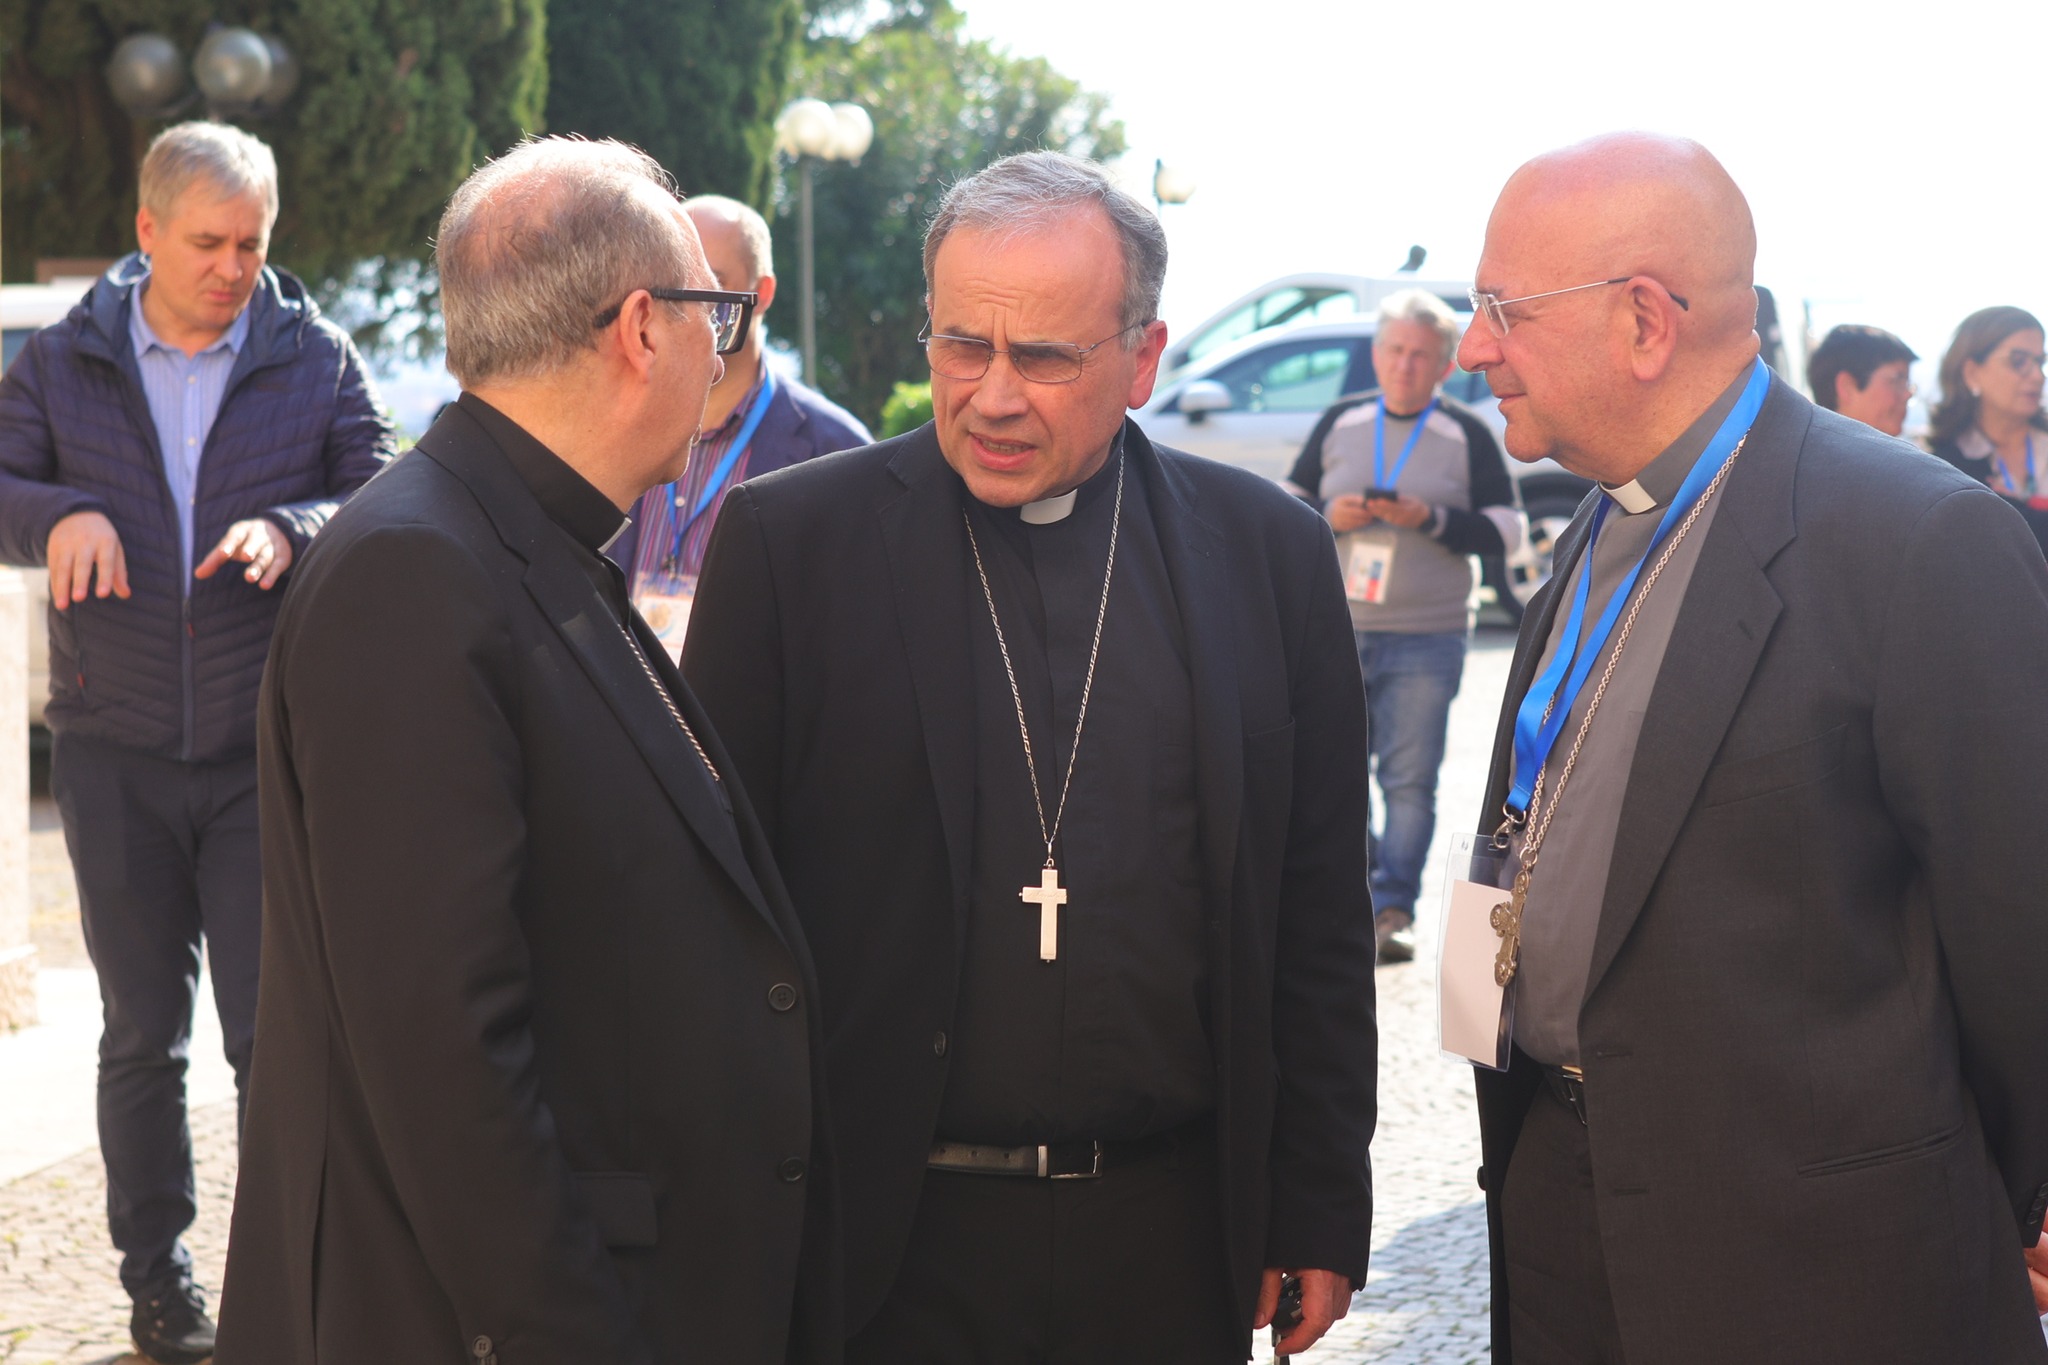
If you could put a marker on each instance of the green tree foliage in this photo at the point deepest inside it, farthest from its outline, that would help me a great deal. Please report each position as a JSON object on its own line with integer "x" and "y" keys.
{"x": 944, "y": 106}
{"x": 697, "y": 83}
{"x": 397, "y": 101}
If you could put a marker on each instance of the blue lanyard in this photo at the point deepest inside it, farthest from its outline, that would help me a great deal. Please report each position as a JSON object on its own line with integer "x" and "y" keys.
{"x": 1380, "y": 477}
{"x": 2006, "y": 474}
{"x": 1542, "y": 715}
{"x": 708, "y": 494}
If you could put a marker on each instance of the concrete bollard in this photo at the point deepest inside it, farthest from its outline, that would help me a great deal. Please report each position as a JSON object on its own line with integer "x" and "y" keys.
{"x": 17, "y": 954}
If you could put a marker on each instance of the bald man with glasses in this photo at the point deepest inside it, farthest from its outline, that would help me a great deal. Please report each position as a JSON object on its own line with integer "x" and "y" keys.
{"x": 1757, "y": 904}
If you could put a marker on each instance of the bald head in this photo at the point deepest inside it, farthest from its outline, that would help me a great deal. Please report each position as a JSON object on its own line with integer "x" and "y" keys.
{"x": 1640, "y": 204}
{"x": 1602, "y": 377}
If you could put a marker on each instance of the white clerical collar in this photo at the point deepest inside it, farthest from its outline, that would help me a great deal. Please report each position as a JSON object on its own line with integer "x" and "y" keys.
{"x": 1630, "y": 497}
{"x": 1046, "y": 511}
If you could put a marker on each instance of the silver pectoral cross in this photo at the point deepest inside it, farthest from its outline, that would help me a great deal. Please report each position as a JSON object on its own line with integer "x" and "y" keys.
{"x": 1048, "y": 896}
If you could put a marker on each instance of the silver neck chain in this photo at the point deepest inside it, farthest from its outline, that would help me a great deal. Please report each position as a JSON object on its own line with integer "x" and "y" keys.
{"x": 1051, "y": 832}
{"x": 661, "y": 691}
{"x": 1540, "y": 813}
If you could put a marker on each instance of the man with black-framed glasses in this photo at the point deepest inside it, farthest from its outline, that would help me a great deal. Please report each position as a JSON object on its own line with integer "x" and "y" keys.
{"x": 538, "y": 1074}
{"x": 1056, "y": 734}
{"x": 1749, "y": 949}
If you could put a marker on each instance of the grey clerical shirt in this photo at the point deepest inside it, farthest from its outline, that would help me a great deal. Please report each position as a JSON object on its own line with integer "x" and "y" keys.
{"x": 1562, "y": 914}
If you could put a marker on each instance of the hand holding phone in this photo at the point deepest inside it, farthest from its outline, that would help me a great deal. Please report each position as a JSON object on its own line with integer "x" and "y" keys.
{"x": 1287, "y": 1316}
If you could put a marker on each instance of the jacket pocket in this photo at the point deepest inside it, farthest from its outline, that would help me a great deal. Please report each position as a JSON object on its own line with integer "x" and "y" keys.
{"x": 621, "y": 1203}
{"x": 1740, "y": 779}
{"x": 1884, "y": 1156}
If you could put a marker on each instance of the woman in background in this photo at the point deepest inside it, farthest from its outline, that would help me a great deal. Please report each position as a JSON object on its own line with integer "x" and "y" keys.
{"x": 1989, "y": 423}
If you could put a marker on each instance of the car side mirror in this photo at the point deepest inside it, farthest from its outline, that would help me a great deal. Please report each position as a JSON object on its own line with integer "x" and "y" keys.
{"x": 1203, "y": 397}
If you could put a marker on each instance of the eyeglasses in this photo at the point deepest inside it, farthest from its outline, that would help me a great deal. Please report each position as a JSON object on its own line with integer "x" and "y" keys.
{"x": 2022, "y": 361}
{"x": 730, "y": 312}
{"x": 1493, "y": 308}
{"x": 1040, "y": 362}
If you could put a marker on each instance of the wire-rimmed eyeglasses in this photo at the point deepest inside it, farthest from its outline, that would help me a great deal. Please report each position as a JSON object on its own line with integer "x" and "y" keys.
{"x": 1493, "y": 308}
{"x": 730, "y": 311}
{"x": 1040, "y": 362}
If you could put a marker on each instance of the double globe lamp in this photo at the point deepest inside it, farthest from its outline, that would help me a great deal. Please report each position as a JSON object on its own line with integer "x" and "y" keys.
{"x": 239, "y": 73}
{"x": 812, "y": 131}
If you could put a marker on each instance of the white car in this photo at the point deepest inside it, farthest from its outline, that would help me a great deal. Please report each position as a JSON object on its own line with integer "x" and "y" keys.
{"x": 1254, "y": 404}
{"x": 1292, "y": 300}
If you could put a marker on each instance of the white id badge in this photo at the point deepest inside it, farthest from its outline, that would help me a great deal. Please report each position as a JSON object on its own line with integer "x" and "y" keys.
{"x": 1367, "y": 570}
{"x": 664, "y": 602}
{"x": 1475, "y": 1017}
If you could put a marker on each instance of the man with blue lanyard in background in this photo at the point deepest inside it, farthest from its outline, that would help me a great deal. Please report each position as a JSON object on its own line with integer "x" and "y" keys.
{"x": 755, "y": 421}
{"x": 1767, "y": 1081}
{"x": 1414, "y": 485}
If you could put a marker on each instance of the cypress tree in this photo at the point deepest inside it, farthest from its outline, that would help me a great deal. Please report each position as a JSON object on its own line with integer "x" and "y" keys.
{"x": 695, "y": 83}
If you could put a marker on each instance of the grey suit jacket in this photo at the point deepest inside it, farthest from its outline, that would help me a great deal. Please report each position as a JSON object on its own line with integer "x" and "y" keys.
{"x": 1814, "y": 1033}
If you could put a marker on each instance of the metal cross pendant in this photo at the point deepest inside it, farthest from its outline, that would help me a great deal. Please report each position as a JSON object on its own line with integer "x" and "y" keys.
{"x": 1048, "y": 896}
{"x": 1507, "y": 922}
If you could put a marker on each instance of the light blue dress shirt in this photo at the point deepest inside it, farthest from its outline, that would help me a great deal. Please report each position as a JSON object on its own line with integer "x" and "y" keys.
{"x": 184, "y": 394}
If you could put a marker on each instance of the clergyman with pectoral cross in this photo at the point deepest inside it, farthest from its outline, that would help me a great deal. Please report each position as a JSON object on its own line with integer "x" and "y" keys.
{"x": 1055, "y": 734}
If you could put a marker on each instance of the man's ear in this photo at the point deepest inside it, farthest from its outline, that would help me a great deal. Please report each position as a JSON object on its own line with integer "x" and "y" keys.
{"x": 630, "y": 338}
{"x": 764, "y": 294}
{"x": 145, "y": 231}
{"x": 1847, "y": 388}
{"x": 1653, "y": 325}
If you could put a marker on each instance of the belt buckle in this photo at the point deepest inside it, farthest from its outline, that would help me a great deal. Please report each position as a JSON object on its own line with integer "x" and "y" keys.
{"x": 1093, "y": 1172}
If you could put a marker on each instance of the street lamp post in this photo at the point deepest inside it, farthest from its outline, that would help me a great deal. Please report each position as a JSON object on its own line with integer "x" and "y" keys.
{"x": 1171, "y": 184}
{"x": 811, "y": 131}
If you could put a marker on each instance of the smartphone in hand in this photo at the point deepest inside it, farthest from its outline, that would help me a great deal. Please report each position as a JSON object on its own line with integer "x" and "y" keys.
{"x": 1287, "y": 1316}
{"x": 1381, "y": 494}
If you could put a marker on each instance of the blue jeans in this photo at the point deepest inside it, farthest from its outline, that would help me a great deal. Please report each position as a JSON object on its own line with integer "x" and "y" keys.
{"x": 1409, "y": 683}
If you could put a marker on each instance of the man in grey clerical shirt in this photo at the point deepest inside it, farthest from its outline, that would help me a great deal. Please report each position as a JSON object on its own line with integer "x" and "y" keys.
{"x": 1767, "y": 754}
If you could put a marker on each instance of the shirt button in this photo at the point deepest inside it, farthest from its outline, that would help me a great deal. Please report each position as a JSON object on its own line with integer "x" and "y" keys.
{"x": 194, "y": 379}
{"x": 191, "y": 440}
{"x": 791, "y": 1170}
{"x": 781, "y": 996}
{"x": 938, "y": 1044}
{"x": 480, "y": 1348}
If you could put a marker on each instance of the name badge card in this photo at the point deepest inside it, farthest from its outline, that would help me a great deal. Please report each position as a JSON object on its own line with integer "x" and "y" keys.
{"x": 1367, "y": 570}
{"x": 664, "y": 601}
{"x": 1475, "y": 1014}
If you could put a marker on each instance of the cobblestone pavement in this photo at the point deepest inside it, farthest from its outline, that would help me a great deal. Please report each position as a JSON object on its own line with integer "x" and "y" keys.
{"x": 1424, "y": 1304}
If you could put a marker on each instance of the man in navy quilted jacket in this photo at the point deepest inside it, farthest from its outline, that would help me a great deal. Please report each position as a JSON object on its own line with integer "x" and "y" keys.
{"x": 168, "y": 450}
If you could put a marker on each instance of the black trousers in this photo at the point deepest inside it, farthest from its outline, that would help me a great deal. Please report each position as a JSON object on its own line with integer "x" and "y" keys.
{"x": 166, "y": 857}
{"x": 1006, "y": 1270}
{"x": 1560, "y": 1307}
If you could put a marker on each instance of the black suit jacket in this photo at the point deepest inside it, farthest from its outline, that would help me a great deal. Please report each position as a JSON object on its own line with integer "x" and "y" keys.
{"x": 830, "y": 642}
{"x": 1814, "y": 1035}
{"x": 536, "y": 1039}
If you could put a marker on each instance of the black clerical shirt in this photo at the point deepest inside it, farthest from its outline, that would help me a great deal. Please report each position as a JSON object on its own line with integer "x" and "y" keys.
{"x": 1111, "y": 1039}
{"x": 591, "y": 520}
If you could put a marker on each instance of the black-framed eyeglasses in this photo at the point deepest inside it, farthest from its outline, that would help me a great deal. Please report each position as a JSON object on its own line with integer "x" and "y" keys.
{"x": 1040, "y": 362}
{"x": 1493, "y": 308}
{"x": 731, "y": 310}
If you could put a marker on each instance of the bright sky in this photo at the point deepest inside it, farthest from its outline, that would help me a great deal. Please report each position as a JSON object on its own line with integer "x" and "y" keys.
{"x": 1893, "y": 154}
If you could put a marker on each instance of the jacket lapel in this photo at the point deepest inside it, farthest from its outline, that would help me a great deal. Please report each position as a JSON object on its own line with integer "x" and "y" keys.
{"x": 1199, "y": 572}
{"x": 1723, "y": 624}
{"x": 572, "y": 605}
{"x": 930, "y": 573}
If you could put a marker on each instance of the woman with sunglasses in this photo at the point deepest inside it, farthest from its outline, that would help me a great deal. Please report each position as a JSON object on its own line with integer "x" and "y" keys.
{"x": 1989, "y": 423}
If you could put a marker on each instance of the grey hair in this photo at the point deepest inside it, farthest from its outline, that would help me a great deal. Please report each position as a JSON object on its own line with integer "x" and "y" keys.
{"x": 535, "y": 245}
{"x": 219, "y": 154}
{"x": 1419, "y": 305}
{"x": 1033, "y": 190}
{"x": 754, "y": 238}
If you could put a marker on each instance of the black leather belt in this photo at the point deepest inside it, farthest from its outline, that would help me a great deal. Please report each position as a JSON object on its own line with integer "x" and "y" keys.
{"x": 1078, "y": 1160}
{"x": 1568, "y": 1083}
